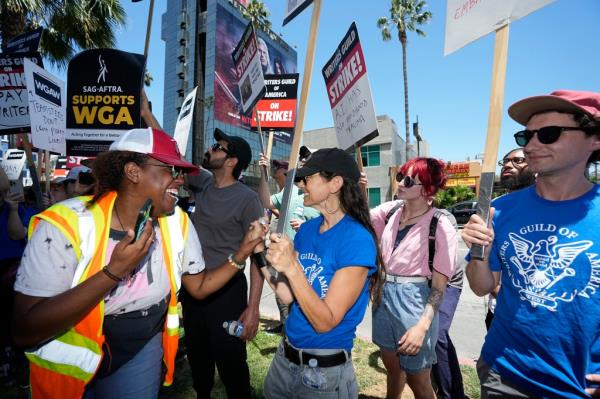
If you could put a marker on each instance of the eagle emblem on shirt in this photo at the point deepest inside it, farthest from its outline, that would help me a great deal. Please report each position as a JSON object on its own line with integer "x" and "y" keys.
{"x": 543, "y": 264}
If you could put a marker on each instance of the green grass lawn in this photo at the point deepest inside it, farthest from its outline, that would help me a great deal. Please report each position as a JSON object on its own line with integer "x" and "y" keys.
{"x": 369, "y": 369}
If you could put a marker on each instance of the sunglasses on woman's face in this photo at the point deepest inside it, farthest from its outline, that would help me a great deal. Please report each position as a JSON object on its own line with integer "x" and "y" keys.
{"x": 545, "y": 135}
{"x": 175, "y": 170}
{"x": 407, "y": 181}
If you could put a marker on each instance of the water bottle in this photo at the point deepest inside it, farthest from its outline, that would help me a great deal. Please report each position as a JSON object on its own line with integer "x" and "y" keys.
{"x": 313, "y": 377}
{"x": 233, "y": 327}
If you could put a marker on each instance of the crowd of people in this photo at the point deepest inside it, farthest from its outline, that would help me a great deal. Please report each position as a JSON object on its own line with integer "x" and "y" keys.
{"x": 93, "y": 287}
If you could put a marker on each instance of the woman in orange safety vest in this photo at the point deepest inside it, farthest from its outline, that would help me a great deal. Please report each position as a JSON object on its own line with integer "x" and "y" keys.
{"x": 96, "y": 306}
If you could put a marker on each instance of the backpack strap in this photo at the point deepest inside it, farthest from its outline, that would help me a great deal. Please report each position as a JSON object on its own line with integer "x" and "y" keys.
{"x": 432, "y": 230}
{"x": 391, "y": 212}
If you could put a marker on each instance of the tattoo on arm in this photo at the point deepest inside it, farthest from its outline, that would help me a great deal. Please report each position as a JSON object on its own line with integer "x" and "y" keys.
{"x": 435, "y": 299}
{"x": 433, "y": 303}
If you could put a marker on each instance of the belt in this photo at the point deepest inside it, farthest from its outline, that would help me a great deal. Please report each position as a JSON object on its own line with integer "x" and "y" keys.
{"x": 405, "y": 279}
{"x": 300, "y": 357}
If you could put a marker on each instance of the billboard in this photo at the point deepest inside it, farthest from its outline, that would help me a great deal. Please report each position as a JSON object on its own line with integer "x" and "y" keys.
{"x": 274, "y": 57}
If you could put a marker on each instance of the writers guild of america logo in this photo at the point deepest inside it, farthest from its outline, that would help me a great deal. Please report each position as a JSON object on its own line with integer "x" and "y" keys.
{"x": 103, "y": 70}
{"x": 545, "y": 270}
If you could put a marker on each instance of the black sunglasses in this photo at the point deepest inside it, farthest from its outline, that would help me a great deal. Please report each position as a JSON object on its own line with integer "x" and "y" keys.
{"x": 407, "y": 181}
{"x": 515, "y": 161}
{"x": 545, "y": 135}
{"x": 219, "y": 147}
{"x": 176, "y": 171}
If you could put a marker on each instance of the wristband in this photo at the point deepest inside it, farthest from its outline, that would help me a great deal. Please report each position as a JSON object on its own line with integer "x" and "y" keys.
{"x": 235, "y": 263}
{"x": 111, "y": 276}
{"x": 260, "y": 259}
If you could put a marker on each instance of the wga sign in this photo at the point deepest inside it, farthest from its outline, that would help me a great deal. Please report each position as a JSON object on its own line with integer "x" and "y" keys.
{"x": 46, "y": 89}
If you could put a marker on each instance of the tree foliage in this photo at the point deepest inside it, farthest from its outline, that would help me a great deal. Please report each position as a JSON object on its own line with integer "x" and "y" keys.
{"x": 70, "y": 25}
{"x": 405, "y": 16}
{"x": 258, "y": 14}
{"x": 453, "y": 195}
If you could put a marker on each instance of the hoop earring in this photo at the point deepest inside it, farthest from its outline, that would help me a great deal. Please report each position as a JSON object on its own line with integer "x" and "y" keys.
{"x": 331, "y": 212}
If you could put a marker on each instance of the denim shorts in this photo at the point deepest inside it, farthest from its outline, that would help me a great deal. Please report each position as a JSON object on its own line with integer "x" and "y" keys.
{"x": 287, "y": 380}
{"x": 401, "y": 307}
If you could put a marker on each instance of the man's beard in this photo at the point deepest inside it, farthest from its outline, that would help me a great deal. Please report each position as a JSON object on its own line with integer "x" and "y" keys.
{"x": 521, "y": 180}
{"x": 209, "y": 164}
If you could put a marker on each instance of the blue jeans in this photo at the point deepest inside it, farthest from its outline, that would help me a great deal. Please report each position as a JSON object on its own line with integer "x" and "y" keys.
{"x": 401, "y": 307}
{"x": 446, "y": 373}
{"x": 139, "y": 378}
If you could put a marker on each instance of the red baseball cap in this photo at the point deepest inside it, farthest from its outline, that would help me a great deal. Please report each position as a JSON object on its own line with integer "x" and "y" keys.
{"x": 570, "y": 101}
{"x": 156, "y": 144}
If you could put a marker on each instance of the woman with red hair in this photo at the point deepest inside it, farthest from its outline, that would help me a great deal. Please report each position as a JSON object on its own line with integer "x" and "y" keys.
{"x": 405, "y": 322}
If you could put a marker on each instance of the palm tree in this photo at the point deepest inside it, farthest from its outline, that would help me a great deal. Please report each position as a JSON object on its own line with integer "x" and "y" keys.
{"x": 70, "y": 25}
{"x": 258, "y": 14}
{"x": 405, "y": 15}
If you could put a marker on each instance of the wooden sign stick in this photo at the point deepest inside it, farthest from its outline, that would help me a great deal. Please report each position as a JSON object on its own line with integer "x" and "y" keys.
{"x": 306, "y": 80}
{"x": 488, "y": 170}
{"x": 270, "y": 144}
{"x": 264, "y": 171}
{"x": 361, "y": 169}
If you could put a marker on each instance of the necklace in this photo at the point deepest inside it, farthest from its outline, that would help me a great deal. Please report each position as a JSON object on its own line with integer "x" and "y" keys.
{"x": 414, "y": 217}
{"x": 119, "y": 218}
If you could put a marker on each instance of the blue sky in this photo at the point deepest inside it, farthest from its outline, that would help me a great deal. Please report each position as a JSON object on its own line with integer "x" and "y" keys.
{"x": 555, "y": 47}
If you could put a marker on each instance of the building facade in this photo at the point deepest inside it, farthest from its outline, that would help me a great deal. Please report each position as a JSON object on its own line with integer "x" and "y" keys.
{"x": 200, "y": 37}
{"x": 379, "y": 156}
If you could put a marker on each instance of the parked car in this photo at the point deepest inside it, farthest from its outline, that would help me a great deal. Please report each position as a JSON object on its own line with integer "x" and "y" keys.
{"x": 462, "y": 211}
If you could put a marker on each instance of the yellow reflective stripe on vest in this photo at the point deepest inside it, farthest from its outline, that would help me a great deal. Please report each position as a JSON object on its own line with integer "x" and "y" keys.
{"x": 172, "y": 320}
{"x": 65, "y": 358}
{"x": 175, "y": 238}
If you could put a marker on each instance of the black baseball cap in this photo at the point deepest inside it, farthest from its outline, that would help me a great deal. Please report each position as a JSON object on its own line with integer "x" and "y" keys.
{"x": 237, "y": 147}
{"x": 332, "y": 160}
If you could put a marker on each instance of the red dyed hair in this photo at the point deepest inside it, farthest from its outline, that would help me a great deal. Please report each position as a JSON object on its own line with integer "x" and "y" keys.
{"x": 430, "y": 171}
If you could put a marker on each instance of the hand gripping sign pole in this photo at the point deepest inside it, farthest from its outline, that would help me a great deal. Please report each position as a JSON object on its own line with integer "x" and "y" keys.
{"x": 263, "y": 171}
{"x": 493, "y": 132}
{"x": 464, "y": 24}
{"x": 308, "y": 68}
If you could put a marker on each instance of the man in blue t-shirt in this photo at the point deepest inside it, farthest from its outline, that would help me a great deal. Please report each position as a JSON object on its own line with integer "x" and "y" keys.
{"x": 546, "y": 242}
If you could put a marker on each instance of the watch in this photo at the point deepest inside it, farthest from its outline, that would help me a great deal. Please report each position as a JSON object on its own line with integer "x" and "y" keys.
{"x": 235, "y": 263}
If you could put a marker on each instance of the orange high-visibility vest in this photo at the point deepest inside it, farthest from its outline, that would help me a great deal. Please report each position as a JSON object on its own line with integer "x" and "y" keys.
{"x": 62, "y": 367}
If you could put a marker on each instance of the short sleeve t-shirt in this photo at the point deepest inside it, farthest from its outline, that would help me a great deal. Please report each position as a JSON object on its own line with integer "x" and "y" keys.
{"x": 49, "y": 263}
{"x": 297, "y": 210}
{"x": 546, "y": 324}
{"x": 321, "y": 255}
{"x": 222, "y": 216}
{"x": 13, "y": 249}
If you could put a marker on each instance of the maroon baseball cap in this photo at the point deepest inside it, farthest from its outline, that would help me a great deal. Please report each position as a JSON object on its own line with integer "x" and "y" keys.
{"x": 156, "y": 144}
{"x": 280, "y": 164}
{"x": 569, "y": 101}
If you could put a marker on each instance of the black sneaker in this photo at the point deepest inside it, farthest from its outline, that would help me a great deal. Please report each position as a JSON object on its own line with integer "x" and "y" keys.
{"x": 276, "y": 329}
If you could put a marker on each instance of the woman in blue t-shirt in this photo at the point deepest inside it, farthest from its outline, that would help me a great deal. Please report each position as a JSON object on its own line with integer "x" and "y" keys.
{"x": 327, "y": 271}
